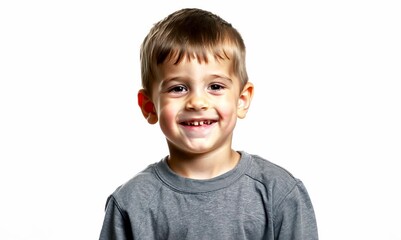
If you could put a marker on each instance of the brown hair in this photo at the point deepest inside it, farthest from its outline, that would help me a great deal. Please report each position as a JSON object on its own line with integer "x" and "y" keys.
{"x": 191, "y": 33}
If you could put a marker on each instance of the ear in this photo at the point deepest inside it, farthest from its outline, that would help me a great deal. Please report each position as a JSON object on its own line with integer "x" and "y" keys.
{"x": 244, "y": 100}
{"x": 147, "y": 107}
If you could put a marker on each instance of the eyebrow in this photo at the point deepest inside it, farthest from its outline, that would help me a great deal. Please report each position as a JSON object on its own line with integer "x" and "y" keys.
{"x": 223, "y": 77}
{"x": 164, "y": 82}
{"x": 212, "y": 76}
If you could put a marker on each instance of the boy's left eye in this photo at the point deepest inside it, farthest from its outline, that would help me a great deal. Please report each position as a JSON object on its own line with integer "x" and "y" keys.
{"x": 216, "y": 87}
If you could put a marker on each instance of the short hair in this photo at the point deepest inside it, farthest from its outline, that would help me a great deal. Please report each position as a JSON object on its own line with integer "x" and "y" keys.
{"x": 191, "y": 33}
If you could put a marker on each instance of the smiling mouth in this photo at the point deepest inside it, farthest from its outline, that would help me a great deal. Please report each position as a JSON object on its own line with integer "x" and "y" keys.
{"x": 198, "y": 123}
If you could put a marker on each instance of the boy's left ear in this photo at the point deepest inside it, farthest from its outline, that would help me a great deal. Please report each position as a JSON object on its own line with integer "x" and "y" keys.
{"x": 244, "y": 100}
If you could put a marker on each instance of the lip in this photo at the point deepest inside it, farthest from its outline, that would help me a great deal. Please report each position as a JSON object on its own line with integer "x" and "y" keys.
{"x": 198, "y": 127}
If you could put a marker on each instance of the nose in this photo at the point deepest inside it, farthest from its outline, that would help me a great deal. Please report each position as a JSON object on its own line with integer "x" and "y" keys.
{"x": 197, "y": 101}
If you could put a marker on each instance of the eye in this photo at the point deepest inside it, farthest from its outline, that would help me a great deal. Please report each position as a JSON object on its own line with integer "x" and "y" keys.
{"x": 216, "y": 87}
{"x": 177, "y": 89}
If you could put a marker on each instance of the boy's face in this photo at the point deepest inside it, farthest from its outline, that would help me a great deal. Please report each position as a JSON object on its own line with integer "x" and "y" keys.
{"x": 197, "y": 104}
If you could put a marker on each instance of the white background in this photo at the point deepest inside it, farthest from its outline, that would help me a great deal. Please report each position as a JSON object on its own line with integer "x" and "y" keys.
{"x": 326, "y": 107}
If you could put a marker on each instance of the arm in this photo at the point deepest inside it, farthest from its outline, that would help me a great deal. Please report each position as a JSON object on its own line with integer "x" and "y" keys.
{"x": 116, "y": 226}
{"x": 294, "y": 218}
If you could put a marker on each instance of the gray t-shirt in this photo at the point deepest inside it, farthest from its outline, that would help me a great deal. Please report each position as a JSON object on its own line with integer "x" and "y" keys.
{"x": 255, "y": 200}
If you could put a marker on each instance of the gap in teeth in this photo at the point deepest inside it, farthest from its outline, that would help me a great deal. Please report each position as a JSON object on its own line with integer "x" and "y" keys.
{"x": 199, "y": 123}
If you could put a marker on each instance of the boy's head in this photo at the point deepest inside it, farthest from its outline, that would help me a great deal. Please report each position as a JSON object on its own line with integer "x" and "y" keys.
{"x": 192, "y": 33}
{"x": 194, "y": 80}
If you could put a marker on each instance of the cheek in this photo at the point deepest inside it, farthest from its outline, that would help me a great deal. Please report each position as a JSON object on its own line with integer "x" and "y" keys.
{"x": 227, "y": 107}
{"x": 167, "y": 115}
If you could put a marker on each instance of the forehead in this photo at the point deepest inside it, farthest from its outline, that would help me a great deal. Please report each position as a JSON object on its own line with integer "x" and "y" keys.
{"x": 189, "y": 65}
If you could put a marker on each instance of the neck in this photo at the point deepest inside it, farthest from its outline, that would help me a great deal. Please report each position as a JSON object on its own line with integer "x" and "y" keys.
{"x": 204, "y": 165}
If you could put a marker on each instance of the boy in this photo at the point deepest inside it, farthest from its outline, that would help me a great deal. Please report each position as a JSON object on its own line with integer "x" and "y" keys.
{"x": 195, "y": 86}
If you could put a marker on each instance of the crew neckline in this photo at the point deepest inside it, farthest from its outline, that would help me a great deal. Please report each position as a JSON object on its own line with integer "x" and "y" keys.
{"x": 189, "y": 185}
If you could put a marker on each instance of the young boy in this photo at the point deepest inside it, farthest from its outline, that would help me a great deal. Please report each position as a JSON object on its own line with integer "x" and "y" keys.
{"x": 195, "y": 85}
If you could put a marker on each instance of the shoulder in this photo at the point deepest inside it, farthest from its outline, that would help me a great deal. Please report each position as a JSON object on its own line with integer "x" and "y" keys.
{"x": 141, "y": 187}
{"x": 277, "y": 181}
{"x": 268, "y": 172}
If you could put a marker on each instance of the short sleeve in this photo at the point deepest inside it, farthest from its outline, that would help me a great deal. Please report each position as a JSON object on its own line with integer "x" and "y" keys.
{"x": 116, "y": 225}
{"x": 294, "y": 217}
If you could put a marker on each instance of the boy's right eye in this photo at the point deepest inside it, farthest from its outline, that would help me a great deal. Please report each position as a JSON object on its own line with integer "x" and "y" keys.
{"x": 178, "y": 89}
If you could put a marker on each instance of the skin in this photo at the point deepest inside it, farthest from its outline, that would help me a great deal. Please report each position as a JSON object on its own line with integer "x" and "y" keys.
{"x": 197, "y": 106}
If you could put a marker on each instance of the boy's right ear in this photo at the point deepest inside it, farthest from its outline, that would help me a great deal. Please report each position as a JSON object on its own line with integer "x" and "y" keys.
{"x": 147, "y": 107}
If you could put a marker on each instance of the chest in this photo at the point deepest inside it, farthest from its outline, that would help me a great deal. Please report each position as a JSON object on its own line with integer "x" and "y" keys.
{"x": 236, "y": 213}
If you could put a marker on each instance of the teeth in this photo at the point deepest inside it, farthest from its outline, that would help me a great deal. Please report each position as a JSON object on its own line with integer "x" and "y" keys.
{"x": 198, "y": 123}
